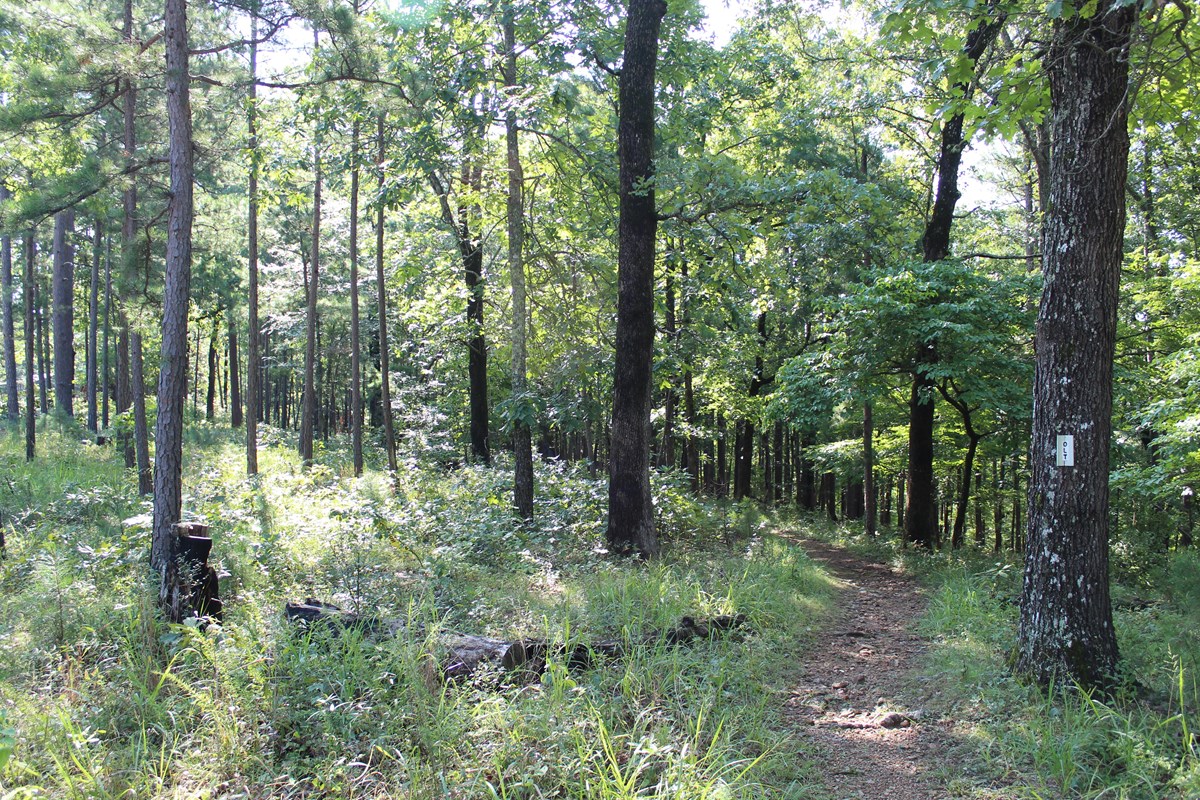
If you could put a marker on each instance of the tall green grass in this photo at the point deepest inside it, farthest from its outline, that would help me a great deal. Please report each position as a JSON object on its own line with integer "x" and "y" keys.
{"x": 99, "y": 699}
{"x": 1063, "y": 742}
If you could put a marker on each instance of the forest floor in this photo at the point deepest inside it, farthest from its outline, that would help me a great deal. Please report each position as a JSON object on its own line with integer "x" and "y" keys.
{"x": 857, "y": 702}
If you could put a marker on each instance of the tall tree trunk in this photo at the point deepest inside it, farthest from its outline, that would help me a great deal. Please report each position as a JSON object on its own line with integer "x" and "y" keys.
{"x": 521, "y": 434}
{"x": 105, "y": 383}
{"x": 476, "y": 342}
{"x": 869, "y": 468}
{"x": 980, "y": 536}
{"x": 43, "y": 346}
{"x": 691, "y": 453}
{"x": 64, "y": 312}
{"x": 765, "y": 462}
{"x": 691, "y": 458}
{"x": 356, "y": 405}
{"x": 1066, "y": 629}
{"x": 308, "y": 415}
{"x": 128, "y": 249}
{"x": 141, "y": 427}
{"x": 210, "y": 397}
{"x": 743, "y": 458}
{"x": 195, "y": 362}
{"x": 235, "y": 377}
{"x": 93, "y": 326}
{"x": 254, "y": 389}
{"x": 172, "y": 376}
{"x": 722, "y": 457}
{"x": 12, "y": 406}
{"x": 829, "y": 495}
{"x": 389, "y": 432}
{"x": 27, "y": 291}
{"x": 998, "y": 508}
{"x": 630, "y": 505}
{"x": 321, "y": 421}
{"x": 921, "y": 521}
{"x": 124, "y": 392}
{"x": 666, "y": 451}
{"x": 959, "y": 536}
{"x": 779, "y": 496}
{"x": 743, "y": 471}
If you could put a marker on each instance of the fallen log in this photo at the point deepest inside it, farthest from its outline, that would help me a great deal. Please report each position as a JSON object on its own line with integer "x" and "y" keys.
{"x": 465, "y": 653}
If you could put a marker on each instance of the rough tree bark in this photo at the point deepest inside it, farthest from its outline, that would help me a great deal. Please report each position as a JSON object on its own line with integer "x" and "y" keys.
{"x": 64, "y": 312}
{"x": 630, "y": 505}
{"x": 172, "y": 377}
{"x": 1066, "y": 630}
{"x": 522, "y": 439}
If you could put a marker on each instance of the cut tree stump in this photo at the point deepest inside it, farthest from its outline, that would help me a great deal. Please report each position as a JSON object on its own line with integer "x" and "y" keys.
{"x": 464, "y": 653}
{"x": 190, "y": 585}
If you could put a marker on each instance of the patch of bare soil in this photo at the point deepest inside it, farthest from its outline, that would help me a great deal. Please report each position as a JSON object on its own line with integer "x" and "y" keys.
{"x": 851, "y": 703}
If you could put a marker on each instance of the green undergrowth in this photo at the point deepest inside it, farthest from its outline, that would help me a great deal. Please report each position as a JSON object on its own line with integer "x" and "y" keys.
{"x": 1016, "y": 740}
{"x": 100, "y": 699}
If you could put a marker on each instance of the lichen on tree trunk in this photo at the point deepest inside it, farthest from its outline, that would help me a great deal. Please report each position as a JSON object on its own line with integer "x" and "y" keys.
{"x": 1066, "y": 630}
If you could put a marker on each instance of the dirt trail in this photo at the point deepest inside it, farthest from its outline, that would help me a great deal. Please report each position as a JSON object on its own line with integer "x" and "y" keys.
{"x": 870, "y": 739}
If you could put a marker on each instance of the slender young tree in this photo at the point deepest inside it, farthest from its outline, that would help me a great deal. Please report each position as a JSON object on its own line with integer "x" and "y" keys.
{"x": 630, "y": 505}
{"x": 521, "y": 437}
{"x": 356, "y": 410}
{"x": 253, "y": 359}
{"x": 128, "y": 246}
{"x": 308, "y": 413}
{"x": 13, "y": 410}
{"x": 210, "y": 397}
{"x": 64, "y": 312}
{"x": 93, "y": 326}
{"x": 43, "y": 345}
{"x": 104, "y": 382}
{"x": 235, "y": 376}
{"x": 30, "y": 378}
{"x": 869, "y": 509}
{"x": 389, "y": 432}
{"x": 1066, "y": 629}
{"x": 141, "y": 433}
{"x": 172, "y": 377}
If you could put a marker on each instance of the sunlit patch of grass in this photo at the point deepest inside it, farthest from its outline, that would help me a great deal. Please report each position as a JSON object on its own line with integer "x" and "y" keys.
{"x": 1062, "y": 742}
{"x": 104, "y": 700}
